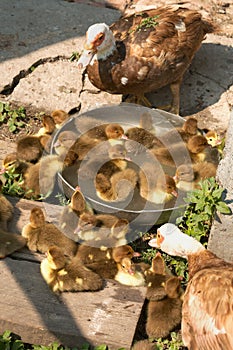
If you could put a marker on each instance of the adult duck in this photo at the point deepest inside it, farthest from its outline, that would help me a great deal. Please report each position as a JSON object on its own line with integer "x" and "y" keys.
{"x": 207, "y": 313}
{"x": 144, "y": 51}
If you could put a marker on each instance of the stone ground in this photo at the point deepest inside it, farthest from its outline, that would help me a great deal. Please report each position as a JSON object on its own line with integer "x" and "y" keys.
{"x": 38, "y": 39}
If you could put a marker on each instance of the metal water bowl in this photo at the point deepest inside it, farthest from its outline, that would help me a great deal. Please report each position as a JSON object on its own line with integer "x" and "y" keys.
{"x": 139, "y": 212}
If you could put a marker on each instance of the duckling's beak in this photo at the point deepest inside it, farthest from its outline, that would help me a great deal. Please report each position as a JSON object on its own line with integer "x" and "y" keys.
{"x": 174, "y": 193}
{"x": 124, "y": 137}
{"x": 136, "y": 254}
{"x": 86, "y": 57}
{"x": 3, "y": 170}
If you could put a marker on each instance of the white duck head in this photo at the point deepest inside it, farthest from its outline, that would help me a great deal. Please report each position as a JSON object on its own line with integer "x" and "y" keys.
{"x": 99, "y": 42}
{"x": 174, "y": 242}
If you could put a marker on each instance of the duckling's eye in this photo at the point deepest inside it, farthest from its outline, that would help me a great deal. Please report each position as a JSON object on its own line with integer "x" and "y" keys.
{"x": 210, "y": 139}
{"x": 123, "y": 266}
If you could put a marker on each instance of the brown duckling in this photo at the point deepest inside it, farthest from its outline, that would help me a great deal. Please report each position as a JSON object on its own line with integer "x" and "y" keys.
{"x": 59, "y": 117}
{"x": 118, "y": 187}
{"x": 196, "y": 150}
{"x": 97, "y": 227}
{"x": 41, "y": 235}
{"x": 156, "y": 186}
{"x": 11, "y": 163}
{"x": 6, "y": 209}
{"x": 164, "y": 315}
{"x": 64, "y": 142}
{"x": 89, "y": 254}
{"x": 187, "y": 130}
{"x": 10, "y": 242}
{"x": 106, "y": 262}
{"x": 132, "y": 57}
{"x": 39, "y": 179}
{"x": 63, "y": 274}
{"x": 106, "y": 159}
{"x": 129, "y": 274}
{"x": 144, "y": 137}
{"x": 29, "y": 148}
{"x": 144, "y": 345}
{"x": 90, "y": 139}
{"x": 188, "y": 176}
{"x": 155, "y": 277}
{"x": 48, "y": 126}
{"x": 70, "y": 215}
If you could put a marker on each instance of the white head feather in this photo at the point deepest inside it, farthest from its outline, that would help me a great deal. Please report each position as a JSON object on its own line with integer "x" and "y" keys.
{"x": 93, "y": 49}
{"x": 172, "y": 241}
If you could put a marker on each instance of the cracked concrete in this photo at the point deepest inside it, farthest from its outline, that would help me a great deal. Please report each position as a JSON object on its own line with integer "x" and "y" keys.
{"x": 47, "y": 33}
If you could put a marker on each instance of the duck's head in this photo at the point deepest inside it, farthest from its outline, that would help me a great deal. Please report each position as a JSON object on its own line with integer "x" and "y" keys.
{"x": 172, "y": 241}
{"x": 78, "y": 202}
{"x": 37, "y": 218}
{"x": 115, "y": 131}
{"x": 213, "y": 138}
{"x": 100, "y": 41}
{"x": 184, "y": 172}
{"x": 190, "y": 126}
{"x": 127, "y": 266}
{"x": 10, "y": 162}
{"x": 197, "y": 144}
{"x": 56, "y": 258}
{"x": 123, "y": 251}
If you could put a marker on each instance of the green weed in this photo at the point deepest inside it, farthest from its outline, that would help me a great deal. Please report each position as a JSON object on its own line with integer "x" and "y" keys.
{"x": 14, "y": 118}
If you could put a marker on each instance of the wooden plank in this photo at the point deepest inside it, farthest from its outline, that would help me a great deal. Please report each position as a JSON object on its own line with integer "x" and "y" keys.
{"x": 31, "y": 310}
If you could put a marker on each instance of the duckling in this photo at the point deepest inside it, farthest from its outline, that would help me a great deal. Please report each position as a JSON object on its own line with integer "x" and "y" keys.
{"x": 100, "y": 226}
{"x": 118, "y": 187}
{"x": 41, "y": 235}
{"x": 164, "y": 315}
{"x": 188, "y": 129}
{"x": 214, "y": 140}
{"x": 70, "y": 215}
{"x": 106, "y": 159}
{"x": 85, "y": 122}
{"x": 109, "y": 260}
{"x": 29, "y": 148}
{"x": 128, "y": 273}
{"x": 89, "y": 254}
{"x": 155, "y": 186}
{"x": 196, "y": 150}
{"x": 40, "y": 177}
{"x": 11, "y": 163}
{"x": 6, "y": 209}
{"x": 64, "y": 141}
{"x": 48, "y": 126}
{"x": 146, "y": 122}
{"x": 144, "y": 137}
{"x": 63, "y": 274}
{"x": 188, "y": 176}
{"x": 59, "y": 117}
{"x": 155, "y": 277}
{"x": 91, "y": 138}
{"x": 10, "y": 242}
{"x": 144, "y": 345}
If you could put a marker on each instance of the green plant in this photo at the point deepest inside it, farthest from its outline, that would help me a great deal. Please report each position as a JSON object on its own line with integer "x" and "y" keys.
{"x": 203, "y": 203}
{"x": 13, "y": 183}
{"x": 75, "y": 56}
{"x": 10, "y": 341}
{"x": 174, "y": 342}
{"x": 14, "y": 118}
{"x": 63, "y": 201}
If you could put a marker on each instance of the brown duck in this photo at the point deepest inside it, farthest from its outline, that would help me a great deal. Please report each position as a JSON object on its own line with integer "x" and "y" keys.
{"x": 207, "y": 315}
{"x": 144, "y": 52}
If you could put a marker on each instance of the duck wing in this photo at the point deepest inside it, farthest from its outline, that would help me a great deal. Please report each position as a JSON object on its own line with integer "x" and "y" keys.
{"x": 207, "y": 315}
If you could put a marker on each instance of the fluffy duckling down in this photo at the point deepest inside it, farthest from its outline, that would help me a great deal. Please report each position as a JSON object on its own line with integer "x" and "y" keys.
{"x": 63, "y": 274}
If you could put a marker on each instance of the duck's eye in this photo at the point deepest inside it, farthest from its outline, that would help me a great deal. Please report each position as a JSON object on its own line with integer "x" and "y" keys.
{"x": 101, "y": 36}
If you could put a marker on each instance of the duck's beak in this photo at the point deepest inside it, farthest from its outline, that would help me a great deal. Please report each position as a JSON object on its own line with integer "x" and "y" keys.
{"x": 2, "y": 171}
{"x": 153, "y": 243}
{"x": 86, "y": 57}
